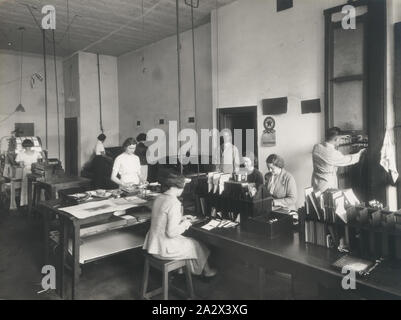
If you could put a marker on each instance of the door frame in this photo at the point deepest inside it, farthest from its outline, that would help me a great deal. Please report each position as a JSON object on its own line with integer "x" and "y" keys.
{"x": 223, "y": 112}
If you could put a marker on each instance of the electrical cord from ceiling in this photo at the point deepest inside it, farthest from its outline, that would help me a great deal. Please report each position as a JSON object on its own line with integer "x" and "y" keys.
{"x": 100, "y": 93}
{"x": 45, "y": 71}
{"x": 7, "y": 117}
{"x": 21, "y": 61}
{"x": 179, "y": 75}
{"x": 194, "y": 70}
{"x": 57, "y": 103}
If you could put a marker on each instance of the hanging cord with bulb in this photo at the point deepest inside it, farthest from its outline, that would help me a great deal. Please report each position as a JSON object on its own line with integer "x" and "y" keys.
{"x": 71, "y": 97}
{"x": 45, "y": 70}
{"x": 21, "y": 61}
{"x": 194, "y": 69}
{"x": 58, "y": 111}
{"x": 179, "y": 77}
{"x": 100, "y": 93}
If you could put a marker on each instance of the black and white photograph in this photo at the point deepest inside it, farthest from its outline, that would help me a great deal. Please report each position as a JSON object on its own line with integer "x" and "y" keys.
{"x": 211, "y": 152}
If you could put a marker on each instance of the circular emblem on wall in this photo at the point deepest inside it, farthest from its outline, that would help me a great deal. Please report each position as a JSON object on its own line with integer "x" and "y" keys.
{"x": 269, "y": 123}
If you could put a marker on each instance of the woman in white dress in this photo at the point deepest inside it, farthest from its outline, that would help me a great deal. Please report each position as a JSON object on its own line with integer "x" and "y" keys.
{"x": 25, "y": 159}
{"x": 165, "y": 240}
{"x": 127, "y": 166}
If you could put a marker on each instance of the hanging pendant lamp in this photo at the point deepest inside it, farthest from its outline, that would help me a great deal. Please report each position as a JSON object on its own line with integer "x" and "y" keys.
{"x": 20, "y": 107}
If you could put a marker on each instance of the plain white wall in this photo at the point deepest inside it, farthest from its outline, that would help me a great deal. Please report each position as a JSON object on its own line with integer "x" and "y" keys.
{"x": 33, "y": 99}
{"x": 258, "y": 53}
{"x": 147, "y": 83}
{"x": 89, "y": 102}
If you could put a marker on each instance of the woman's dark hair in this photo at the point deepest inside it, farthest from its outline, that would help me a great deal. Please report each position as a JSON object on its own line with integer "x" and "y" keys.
{"x": 170, "y": 178}
{"x": 275, "y": 160}
{"x": 141, "y": 137}
{"x": 128, "y": 142}
{"x": 27, "y": 143}
{"x": 101, "y": 137}
{"x": 331, "y": 133}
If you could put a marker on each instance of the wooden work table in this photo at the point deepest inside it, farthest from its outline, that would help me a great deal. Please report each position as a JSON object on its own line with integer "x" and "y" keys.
{"x": 52, "y": 186}
{"x": 93, "y": 246}
{"x": 303, "y": 261}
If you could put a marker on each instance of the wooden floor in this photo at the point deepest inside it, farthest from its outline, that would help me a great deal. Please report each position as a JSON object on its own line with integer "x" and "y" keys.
{"x": 120, "y": 277}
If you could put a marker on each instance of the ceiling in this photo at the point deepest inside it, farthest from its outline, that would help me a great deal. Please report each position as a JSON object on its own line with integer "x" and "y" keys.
{"x": 92, "y": 21}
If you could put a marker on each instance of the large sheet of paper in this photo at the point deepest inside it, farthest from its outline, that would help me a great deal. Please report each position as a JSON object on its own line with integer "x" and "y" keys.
{"x": 90, "y": 209}
{"x": 351, "y": 197}
{"x": 340, "y": 210}
{"x": 106, "y": 244}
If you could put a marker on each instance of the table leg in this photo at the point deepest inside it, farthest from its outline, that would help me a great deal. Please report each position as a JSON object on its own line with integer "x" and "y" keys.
{"x": 53, "y": 193}
{"x": 29, "y": 195}
{"x": 75, "y": 258}
{"x": 63, "y": 248}
{"x": 46, "y": 231}
{"x": 13, "y": 204}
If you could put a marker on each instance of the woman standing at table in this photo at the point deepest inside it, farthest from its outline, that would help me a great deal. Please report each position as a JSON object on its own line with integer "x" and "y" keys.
{"x": 25, "y": 159}
{"x": 127, "y": 166}
{"x": 140, "y": 151}
{"x": 164, "y": 239}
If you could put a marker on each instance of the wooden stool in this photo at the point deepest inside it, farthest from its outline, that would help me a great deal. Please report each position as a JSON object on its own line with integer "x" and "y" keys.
{"x": 165, "y": 266}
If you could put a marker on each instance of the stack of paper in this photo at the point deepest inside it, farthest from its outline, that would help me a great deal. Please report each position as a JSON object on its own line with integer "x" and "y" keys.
{"x": 219, "y": 224}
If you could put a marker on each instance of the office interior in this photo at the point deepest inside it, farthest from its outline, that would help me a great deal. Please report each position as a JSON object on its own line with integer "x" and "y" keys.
{"x": 287, "y": 69}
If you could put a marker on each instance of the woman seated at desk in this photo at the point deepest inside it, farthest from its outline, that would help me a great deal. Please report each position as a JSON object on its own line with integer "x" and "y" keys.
{"x": 25, "y": 159}
{"x": 254, "y": 175}
{"x": 127, "y": 165}
{"x": 280, "y": 183}
{"x": 164, "y": 239}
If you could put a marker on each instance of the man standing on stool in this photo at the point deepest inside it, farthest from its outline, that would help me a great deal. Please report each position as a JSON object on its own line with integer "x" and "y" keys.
{"x": 326, "y": 159}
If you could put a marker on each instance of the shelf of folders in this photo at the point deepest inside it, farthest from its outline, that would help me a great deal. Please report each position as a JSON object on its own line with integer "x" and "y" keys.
{"x": 336, "y": 219}
{"x": 219, "y": 195}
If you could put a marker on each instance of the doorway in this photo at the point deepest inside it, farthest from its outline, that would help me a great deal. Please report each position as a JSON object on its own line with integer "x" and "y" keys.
{"x": 71, "y": 146}
{"x": 240, "y": 118}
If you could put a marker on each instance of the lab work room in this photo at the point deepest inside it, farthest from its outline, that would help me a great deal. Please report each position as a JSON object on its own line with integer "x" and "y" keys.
{"x": 224, "y": 150}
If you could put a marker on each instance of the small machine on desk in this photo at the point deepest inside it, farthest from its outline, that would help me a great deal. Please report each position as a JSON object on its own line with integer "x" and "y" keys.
{"x": 48, "y": 169}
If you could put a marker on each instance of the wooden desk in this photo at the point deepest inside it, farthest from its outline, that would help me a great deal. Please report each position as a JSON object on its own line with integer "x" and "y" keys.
{"x": 69, "y": 224}
{"x": 301, "y": 260}
{"x": 52, "y": 186}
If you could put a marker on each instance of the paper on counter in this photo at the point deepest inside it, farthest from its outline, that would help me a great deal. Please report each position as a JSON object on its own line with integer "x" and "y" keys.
{"x": 128, "y": 217}
{"x": 211, "y": 225}
{"x": 133, "y": 199}
{"x": 90, "y": 209}
{"x": 230, "y": 224}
